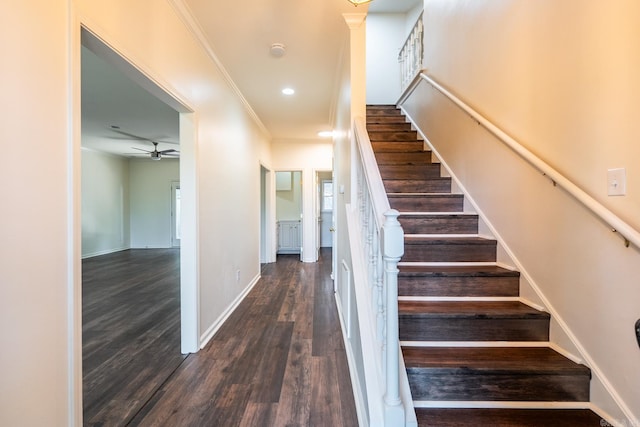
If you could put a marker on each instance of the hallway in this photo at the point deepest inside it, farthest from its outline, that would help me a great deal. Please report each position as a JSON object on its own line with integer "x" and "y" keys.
{"x": 279, "y": 360}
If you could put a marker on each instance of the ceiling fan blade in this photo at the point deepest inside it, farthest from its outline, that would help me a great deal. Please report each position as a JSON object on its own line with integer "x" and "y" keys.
{"x": 130, "y": 135}
{"x": 141, "y": 149}
{"x": 141, "y": 138}
{"x": 168, "y": 151}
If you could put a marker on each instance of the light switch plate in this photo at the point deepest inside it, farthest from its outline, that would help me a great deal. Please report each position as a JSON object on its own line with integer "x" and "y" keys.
{"x": 617, "y": 182}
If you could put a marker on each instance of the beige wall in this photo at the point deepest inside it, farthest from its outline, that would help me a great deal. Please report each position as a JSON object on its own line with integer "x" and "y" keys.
{"x": 150, "y": 203}
{"x": 34, "y": 275}
{"x": 558, "y": 77}
{"x": 105, "y": 203}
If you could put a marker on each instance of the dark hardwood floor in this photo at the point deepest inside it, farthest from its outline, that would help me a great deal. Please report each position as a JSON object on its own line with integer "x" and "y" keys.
{"x": 279, "y": 360}
{"x": 131, "y": 331}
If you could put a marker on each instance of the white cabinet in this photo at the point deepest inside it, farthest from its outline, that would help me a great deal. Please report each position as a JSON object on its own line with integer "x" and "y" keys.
{"x": 289, "y": 237}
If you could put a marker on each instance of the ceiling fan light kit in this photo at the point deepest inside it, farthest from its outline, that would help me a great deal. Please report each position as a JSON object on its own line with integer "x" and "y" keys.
{"x": 359, "y": 2}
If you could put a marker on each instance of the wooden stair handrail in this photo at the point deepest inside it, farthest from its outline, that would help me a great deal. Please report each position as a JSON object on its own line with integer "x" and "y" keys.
{"x": 627, "y": 232}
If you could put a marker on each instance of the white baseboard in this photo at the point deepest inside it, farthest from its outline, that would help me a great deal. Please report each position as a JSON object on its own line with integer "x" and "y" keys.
{"x": 361, "y": 404}
{"x": 211, "y": 330}
{"x": 104, "y": 252}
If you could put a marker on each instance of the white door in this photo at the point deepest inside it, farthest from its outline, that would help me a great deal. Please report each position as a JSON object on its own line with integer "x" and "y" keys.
{"x": 175, "y": 214}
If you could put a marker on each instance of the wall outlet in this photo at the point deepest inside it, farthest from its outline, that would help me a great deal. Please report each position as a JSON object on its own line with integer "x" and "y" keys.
{"x": 237, "y": 275}
{"x": 617, "y": 182}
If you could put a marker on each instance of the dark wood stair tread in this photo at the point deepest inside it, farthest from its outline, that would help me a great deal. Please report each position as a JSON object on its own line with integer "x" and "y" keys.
{"x": 410, "y": 171}
{"x": 420, "y": 157}
{"x": 397, "y": 146}
{"x": 471, "y": 321}
{"x": 495, "y": 417}
{"x": 456, "y": 271}
{"x": 388, "y": 118}
{"x": 438, "y": 223}
{"x": 388, "y": 126}
{"x": 412, "y": 239}
{"x": 473, "y": 309}
{"x": 394, "y": 136}
{"x": 441, "y": 184}
{"x": 537, "y": 360}
{"x": 458, "y": 281}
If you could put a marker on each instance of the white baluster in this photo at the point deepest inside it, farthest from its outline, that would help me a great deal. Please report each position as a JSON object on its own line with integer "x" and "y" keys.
{"x": 393, "y": 249}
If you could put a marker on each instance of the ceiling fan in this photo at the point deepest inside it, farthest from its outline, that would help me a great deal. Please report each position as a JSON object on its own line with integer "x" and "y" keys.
{"x": 155, "y": 154}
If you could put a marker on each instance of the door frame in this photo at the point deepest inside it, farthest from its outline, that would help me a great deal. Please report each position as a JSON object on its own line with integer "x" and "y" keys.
{"x": 189, "y": 254}
{"x": 175, "y": 240}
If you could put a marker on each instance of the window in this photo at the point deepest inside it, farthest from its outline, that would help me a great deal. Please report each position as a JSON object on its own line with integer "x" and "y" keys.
{"x": 327, "y": 195}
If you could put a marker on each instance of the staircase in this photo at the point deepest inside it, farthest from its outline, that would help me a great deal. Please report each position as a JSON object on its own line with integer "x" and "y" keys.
{"x": 475, "y": 355}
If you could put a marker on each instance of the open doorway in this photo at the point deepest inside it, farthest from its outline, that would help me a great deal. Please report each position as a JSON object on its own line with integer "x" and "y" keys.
{"x": 324, "y": 182}
{"x": 133, "y": 283}
{"x": 289, "y": 212}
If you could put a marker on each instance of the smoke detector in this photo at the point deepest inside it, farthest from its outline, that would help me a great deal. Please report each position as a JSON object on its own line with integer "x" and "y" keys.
{"x": 277, "y": 50}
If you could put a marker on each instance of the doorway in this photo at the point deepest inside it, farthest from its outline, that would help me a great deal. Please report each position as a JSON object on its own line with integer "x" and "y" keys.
{"x": 325, "y": 209}
{"x": 289, "y": 212}
{"x": 141, "y": 213}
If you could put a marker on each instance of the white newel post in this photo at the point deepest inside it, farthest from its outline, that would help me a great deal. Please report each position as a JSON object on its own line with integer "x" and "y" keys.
{"x": 392, "y": 250}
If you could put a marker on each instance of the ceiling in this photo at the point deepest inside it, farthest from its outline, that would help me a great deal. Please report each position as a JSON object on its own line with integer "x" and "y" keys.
{"x": 241, "y": 34}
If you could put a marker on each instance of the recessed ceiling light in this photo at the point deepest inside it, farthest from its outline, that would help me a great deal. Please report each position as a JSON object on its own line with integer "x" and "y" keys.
{"x": 325, "y": 134}
{"x": 288, "y": 91}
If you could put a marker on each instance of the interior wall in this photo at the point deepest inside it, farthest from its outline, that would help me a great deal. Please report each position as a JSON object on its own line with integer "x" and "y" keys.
{"x": 289, "y": 202}
{"x": 305, "y": 156}
{"x": 150, "y": 214}
{"x": 105, "y": 203}
{"x": 34, "y": 267}
{"x": 385, "y": 37}
{"x": 350, "y": 104}
{"x": 561, "y": 83}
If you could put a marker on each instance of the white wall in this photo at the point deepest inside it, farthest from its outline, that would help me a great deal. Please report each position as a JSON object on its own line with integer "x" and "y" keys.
{"x": 40, "y": 274}
{"x": 289, "y": 202}
{"x": 305, "y": 156}
{"x": 563, "y": 84}
{"x": 350, "y": 104}
{"x": 151, "y": 201}
{"x": 385, "y": 36}
{"x": 105, "y": 203}
{"x": 34, "y": 265}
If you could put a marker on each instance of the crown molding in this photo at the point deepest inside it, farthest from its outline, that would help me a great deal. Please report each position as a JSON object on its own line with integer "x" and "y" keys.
{"x": 185, "y": 14}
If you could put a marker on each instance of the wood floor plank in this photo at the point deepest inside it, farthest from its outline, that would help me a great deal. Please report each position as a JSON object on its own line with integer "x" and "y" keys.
{"x": 325, "y": 411}
{"x": 131, "y": 331}
{"x": 295, "y": 400}
{"x": 259, "y": 368}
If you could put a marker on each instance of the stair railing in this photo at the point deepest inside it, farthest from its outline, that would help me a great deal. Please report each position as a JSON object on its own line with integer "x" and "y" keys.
{"x": 629, "y": 234}
{"x": 377, "y": 244}
{"x": 411, "y": 54}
